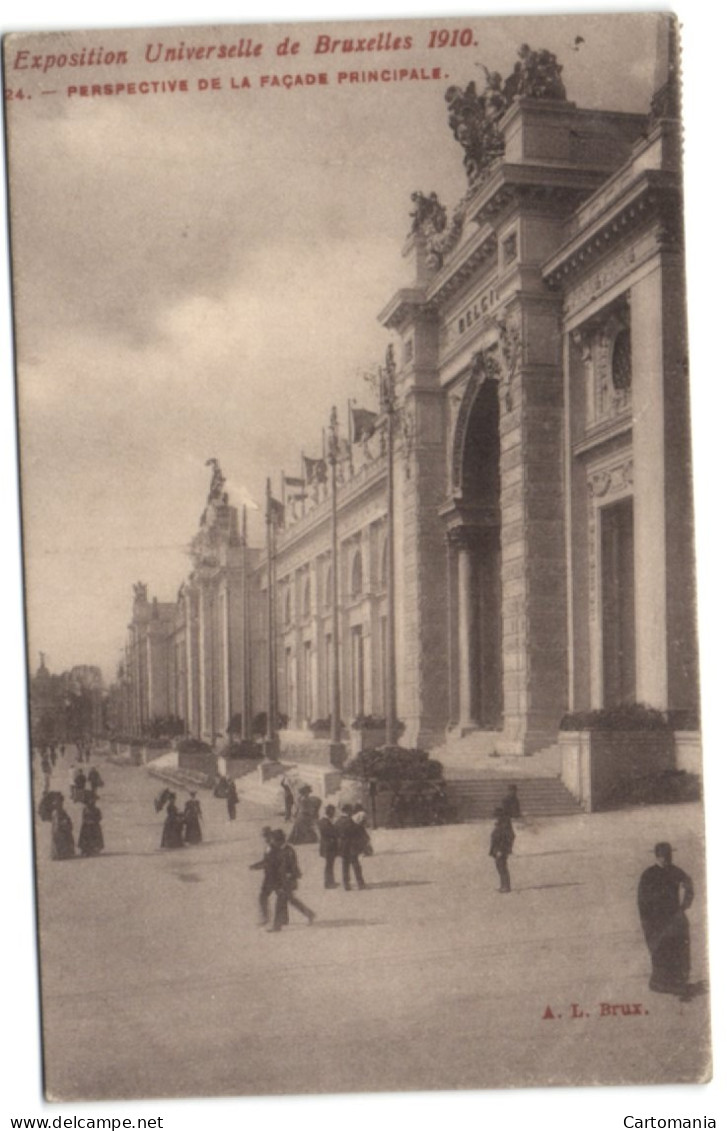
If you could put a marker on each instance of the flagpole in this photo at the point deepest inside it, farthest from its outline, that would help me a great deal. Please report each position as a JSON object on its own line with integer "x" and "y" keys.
{"x": 272, "y": 701}
{"x": 246, "y": 642}
{"x": 335, "y": 675}
{"x": 389, "y": 405}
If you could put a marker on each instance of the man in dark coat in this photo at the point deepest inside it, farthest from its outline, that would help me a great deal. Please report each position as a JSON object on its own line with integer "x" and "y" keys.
{"x": 267, "y": 865}
{"x": 501, "y": 842}
{"x": 328, "y": 845}
{"x": 665, "y": 893}
{"x": 349, "y": 847}
{"x": 232, "y": 800}
{"x": 286, "y": 873}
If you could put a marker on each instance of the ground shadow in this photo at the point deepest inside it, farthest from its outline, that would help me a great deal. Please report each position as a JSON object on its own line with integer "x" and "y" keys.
{"x": 694, "y": 989}
{"x": 402, "y": 852}
{"x": 544, "y": 887}
{"x": 555, "y": 852}
{"x": 398, "y": 884}
{"x": 346, "y": 923}
{"x": 188, "y": 877}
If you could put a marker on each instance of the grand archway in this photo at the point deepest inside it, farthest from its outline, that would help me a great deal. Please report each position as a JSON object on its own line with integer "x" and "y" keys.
{"x": 474, "y": 532}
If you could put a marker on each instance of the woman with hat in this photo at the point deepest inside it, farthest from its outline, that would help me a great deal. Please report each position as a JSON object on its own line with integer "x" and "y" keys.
{"x": 306, "y": 817}
{"x": 61, "y": 842}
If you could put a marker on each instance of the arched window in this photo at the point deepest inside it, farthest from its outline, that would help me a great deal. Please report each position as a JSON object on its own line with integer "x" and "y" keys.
{"x": 288, "y": 606}
{"x": 306, "y": 597}
{"x": 356, "y": 575}
{"x": 328, "y": 592}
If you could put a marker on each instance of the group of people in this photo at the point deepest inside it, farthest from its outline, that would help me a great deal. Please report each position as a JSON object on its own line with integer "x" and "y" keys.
{"x": 281, "y": 872}
{"x": 84, "y": 791}
{"x": 180, "y": 826}
{"x": 344, "y": 836}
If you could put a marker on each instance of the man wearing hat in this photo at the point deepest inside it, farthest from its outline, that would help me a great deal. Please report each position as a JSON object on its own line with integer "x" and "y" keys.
{"x": 501, "y": 842}
{"x": 268, "y": 866}
{"x": 665, "y": 893}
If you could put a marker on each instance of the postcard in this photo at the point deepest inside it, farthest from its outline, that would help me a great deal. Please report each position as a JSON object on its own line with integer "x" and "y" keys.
{"x": 354, "y": 432}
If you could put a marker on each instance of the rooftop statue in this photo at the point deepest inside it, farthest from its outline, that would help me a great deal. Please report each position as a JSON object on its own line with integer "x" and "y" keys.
{"x": 475, "y": 118}
{"x": 140, "y": 591}
{"x": 429, "y": 215}
{"x": 216, "y": 493}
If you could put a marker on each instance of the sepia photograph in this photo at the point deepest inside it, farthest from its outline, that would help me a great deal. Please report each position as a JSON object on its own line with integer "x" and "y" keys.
{"x": 360, "y": 514}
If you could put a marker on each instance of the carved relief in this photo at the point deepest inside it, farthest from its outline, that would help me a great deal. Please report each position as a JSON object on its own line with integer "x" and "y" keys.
{"x": 605, "y": 346}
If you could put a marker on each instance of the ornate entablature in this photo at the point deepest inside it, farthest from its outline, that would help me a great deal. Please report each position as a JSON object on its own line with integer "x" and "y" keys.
{"x": 605, "y": 345}
{"x": 651, "y": 197}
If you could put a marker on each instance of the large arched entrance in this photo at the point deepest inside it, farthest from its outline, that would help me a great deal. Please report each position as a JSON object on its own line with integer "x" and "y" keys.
{"x": 475, "y": 533}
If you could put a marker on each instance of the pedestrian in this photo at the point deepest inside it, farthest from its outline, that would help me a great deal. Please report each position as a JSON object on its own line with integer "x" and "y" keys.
{"x": 306, "y": 817}
{"x": 172, "y": 831}
{"x": 53, "y": 754}
{"x": 63, "y": 750}
{"x": 46, "y": 768}
{"x": 511, "y": 803}
{"x": 268, "y": 865}
{"x": 161, "y": 799}
{"x": 286, "y": 873}
{"x": 79, "y": 785}
{"x": 232, "y": 800}
{"x": 362, "y": 838}
{"x": 349, "y": 847}
{"x": 94, "y": 779}
{"x": 220, "y": 787}
{"x": 90, "y": 838}
{"x": 61, "y": 842}
{"x": 192, "y": 818}
{"x": 665, "y": 893}
{"x": 328, "y": 845}
{"x": 501, "y": 842}
{"x": 288, "y": 797}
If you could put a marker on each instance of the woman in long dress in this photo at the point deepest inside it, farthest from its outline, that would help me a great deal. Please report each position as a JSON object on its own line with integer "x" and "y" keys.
{"x": 173, "y": 825}
{"x": 192, "y": 818}
{"x": 61, "y": 841}
{"x": 90, "y": 838}
{"x": 306, "y": 818}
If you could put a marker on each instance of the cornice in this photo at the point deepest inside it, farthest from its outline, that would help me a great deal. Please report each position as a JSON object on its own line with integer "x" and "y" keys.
{"x": 651, "y": 194}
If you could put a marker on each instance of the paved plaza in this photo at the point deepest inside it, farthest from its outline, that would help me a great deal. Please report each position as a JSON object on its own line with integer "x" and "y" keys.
{"x": 157, "y": 980}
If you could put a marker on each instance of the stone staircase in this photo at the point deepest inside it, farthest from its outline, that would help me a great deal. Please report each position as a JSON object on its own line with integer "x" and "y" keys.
{"x": 477, "y": 779}
{"x": 475, "y": 799}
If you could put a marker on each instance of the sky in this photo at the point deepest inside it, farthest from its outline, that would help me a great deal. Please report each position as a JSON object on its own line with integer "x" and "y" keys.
{"x": 201, "y": 275}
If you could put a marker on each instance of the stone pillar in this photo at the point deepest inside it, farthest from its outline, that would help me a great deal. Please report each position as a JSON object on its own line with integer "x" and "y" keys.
{"x": 204, "y": 661}
{"x": 649, "y": 519}
{"x": 465, "y": 573}
{"x": 532, "y": 531}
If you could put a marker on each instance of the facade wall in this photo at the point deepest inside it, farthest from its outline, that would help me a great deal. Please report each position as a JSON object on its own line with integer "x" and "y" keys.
{"x": 543, "y": 545}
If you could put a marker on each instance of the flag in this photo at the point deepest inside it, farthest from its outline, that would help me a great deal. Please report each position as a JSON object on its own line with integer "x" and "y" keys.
{"x": 276, "y": 512}
{"x": 292, "y": 481}
{"x": 315, "y": 470}
{"x": 364, "y": 424}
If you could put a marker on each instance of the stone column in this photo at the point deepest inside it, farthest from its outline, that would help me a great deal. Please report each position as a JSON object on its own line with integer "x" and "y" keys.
{"x": 649, "y": 495}
{"x": 465, "y": 576}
